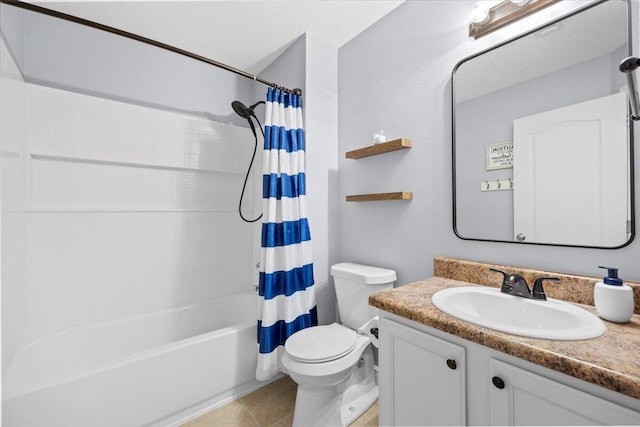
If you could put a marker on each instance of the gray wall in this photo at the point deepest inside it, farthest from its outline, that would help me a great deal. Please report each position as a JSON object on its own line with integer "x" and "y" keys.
{"x": 397, "y": 76}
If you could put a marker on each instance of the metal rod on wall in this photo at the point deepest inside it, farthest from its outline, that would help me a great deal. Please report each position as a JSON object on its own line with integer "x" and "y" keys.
{"x": 92, "y": 24}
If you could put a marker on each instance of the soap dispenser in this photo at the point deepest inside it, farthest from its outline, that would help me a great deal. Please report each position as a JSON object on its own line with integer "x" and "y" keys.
{"x": 614, "y": 300}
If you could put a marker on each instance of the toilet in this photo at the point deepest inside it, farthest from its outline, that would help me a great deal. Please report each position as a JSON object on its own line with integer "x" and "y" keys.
{"x": 333, "y": 365}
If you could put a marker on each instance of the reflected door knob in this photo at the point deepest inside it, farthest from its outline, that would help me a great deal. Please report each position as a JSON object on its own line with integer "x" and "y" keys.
{"x": 521, "y": 237}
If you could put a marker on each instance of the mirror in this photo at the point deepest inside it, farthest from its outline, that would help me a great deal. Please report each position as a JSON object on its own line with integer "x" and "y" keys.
{"x": 541, "y": 144}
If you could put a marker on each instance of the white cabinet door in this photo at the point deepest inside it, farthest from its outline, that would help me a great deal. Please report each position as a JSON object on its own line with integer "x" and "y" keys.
{"x": 529, "y": 399}
{"x": 570, "y": 187}
{"x": 422, "y": 378}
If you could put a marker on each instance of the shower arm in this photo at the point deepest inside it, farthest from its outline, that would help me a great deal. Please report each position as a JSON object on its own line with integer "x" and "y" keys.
{"x": 628, "y": 66}
{"x": 136, "y": 37}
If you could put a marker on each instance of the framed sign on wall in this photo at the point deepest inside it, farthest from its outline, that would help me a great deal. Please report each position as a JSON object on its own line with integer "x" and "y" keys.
{"x": 499, "y": 155}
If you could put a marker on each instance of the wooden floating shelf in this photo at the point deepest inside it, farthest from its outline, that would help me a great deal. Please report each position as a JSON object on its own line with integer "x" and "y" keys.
{"x": 384, "y": 147}
{"x": 400, "y": 195}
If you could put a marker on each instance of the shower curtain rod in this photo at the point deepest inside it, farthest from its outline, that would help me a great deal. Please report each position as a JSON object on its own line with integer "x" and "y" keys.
{"x": 96, "y": 25}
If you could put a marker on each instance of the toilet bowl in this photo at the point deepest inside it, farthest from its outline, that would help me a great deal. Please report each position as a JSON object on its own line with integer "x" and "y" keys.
{"x": 336, "y": 388}
{"x": 333, "y": 365}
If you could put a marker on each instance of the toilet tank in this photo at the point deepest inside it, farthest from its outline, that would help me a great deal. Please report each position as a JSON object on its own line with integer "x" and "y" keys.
{"x": 354, "y": 283}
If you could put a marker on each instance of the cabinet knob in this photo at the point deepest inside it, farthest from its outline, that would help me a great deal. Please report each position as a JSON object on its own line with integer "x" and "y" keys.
{"x": 451, "y": 364}
{"x": 498, "y": 382}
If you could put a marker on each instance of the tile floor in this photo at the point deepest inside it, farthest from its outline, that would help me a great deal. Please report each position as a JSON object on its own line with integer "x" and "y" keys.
{"x": 270, "y": 406}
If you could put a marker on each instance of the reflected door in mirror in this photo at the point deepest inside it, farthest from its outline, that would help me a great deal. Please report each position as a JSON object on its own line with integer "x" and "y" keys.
{"x": 580, "y": 196}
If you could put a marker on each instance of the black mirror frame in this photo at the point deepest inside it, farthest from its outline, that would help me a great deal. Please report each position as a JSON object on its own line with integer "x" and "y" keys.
{"x": 631, "y": 135}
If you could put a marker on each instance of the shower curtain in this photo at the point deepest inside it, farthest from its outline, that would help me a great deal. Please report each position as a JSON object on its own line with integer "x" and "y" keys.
{"x": 286, "y": 286}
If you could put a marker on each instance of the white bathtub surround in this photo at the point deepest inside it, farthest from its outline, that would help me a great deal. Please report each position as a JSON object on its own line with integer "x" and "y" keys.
{"x": 12, "y": 197}
{"x": 136, "y": 371}
{"x": 113, "y": 312}
{"x": 127, "y": 207}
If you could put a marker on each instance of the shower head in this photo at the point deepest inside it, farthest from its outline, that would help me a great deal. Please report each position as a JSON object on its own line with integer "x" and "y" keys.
{"x": 244, "y": 111}
{"x": 629, "y": 64}
{"x": 241, "y": 109}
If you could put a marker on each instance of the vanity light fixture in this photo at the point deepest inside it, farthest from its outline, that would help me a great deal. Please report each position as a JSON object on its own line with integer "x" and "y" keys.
{"x": 502, "y": 14}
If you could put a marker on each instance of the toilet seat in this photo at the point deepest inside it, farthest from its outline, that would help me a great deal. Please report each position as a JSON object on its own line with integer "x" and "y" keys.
{"x": 324, "y": 370}
{"x": 320, "y": 344}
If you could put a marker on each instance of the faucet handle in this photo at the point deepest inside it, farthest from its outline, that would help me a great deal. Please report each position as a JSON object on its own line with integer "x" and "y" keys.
{"x": 538, "y": 290}
{"x": 505, "y": 287}
{"x": 504, "y": 275}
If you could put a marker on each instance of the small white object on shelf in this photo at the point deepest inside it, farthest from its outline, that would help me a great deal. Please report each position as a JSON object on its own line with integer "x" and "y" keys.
{"x": 379, "y": 136}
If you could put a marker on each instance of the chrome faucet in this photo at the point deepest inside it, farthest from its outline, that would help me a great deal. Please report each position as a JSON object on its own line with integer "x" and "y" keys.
{"x": 514, "y": 284}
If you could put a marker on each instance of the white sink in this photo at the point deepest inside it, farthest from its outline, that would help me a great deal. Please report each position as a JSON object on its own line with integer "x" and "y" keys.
{"x": 550, "y": 319}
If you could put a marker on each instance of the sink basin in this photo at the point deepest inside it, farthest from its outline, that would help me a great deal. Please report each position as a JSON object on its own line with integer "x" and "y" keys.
{"x": 550, "y": 319}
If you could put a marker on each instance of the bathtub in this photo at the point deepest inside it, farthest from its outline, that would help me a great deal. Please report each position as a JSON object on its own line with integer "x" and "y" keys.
{"x": 155, "y": 369}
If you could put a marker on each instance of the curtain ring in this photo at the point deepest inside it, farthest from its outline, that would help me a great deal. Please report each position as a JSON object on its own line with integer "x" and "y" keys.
{"x": 498, "y": 181}
{"x": 510, "y": 183}
{"x": 488, "y": 185}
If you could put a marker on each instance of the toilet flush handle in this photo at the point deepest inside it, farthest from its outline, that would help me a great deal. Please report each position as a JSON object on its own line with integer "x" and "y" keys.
{"x": 374, "y": 332}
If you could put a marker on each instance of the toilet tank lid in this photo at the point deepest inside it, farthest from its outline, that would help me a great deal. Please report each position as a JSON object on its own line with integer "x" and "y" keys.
{"x": 363, "y": 273}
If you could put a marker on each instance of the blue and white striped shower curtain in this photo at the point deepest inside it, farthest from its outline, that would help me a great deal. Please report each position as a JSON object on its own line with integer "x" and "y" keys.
{"x": 286, "y": 283}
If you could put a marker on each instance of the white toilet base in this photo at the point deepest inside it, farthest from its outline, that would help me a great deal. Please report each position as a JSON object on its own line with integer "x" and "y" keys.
{"x": 339, "y": 404}
{"x": 350, "y": 412}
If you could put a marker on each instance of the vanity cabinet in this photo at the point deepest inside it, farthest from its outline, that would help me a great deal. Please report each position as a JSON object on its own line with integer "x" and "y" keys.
{"x": 422, "y": 379}
{"x": 487, "y": 387}
{"x": 519, "y": 397}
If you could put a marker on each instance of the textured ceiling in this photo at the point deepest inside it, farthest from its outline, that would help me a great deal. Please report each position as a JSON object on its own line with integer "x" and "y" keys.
{"x": 246, "y": 34}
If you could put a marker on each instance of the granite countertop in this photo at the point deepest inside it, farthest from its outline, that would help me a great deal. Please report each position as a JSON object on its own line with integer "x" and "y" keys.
{"x": 611, "y": 361}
